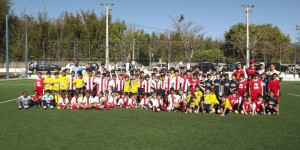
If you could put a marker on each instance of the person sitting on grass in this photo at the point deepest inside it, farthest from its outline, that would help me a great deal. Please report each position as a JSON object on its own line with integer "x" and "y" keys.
{"x": 207, "y": 105}
{"x": 225, "y": 107}
{"x": 76, "y": 101}
{"x": 24, "y": 100}
{"x": 192, "y": 105}
{"x": 259, "y": 105}
{"x": 146, "y": 101}
{"x": 36, "y": 99}
{"x": 272, "y": 103}
{"x": 63, "y": 101}
{"x": 248, "y": 106}
{"x": 98, "y": 100}
{"x": 233, "y": 99}
{"x": 87, "y": 101}
{"x": 48, "y": 100}
{"x": 158, "y": 104}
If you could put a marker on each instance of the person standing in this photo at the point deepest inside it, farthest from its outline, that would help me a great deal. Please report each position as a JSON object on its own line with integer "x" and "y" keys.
{"x": 77, "y": 68}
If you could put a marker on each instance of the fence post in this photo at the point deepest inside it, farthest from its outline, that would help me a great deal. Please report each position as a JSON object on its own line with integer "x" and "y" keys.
{"x": 74, "y": 49}
{"x": 233, "y": 52}
{"x": 43, "y": 53}
{"x": 280, "y": 57}
{"x": 202, "y": 55}
{"x": 26, "y": 51}
{"x": 138, "y": 53}
{"x": 218, "y": 52}
{"x": 265, "y": 50}
{"x": 89, "y": 51}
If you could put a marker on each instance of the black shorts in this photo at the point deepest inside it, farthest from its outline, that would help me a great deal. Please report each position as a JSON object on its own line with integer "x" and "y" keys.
{"x": 91, "y": 91}
{"x": 206, "y": 107}
{"x": 63, "y": 91}
{"x": 115, "y": 91}
{"x": 141, "y": 91}
{"x": 50, "y": 91}
{"x": 71, "y": 92}
{"x": 157, "y": 92}
{"x": 79, "y": 90}
{"x": 55, "y": 91}
{"x": 127, "y": 93}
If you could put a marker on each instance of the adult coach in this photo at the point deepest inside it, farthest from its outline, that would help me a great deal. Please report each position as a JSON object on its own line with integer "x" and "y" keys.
{"x": 252, "y": 69}
{"x": 77, "y": 68}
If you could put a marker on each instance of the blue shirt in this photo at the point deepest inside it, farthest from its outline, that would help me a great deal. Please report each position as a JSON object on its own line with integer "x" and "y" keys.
{"x": 76, "y": 70}
{"x": 48, "y": 98}
{"x": 22, "y": 98}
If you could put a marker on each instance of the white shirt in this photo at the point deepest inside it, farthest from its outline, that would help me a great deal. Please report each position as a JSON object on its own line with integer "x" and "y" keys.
{"x": 176, "y": 83}
{"x": 71, "y": 85}
{"x": 172, "y": 100}
{"x": 76, "y": 100}
{"x": 113, "y": 84}
{"x": 89, "y": 83}
{"x": 101, "y": 84}
{"x": 88, "y": 100}
{"x": 157, "y": 103}
{"x": 147, "y": 86}
{"x": 98, "y": 99}
{"x": 185, "y": 83}
{"x": 63, "y": 101}
{"x": 120, "y": 85}
{"x": 156, "y": 85}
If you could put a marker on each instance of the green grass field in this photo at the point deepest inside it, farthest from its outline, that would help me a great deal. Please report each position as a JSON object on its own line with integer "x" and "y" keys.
{"x": 119, "y": 128}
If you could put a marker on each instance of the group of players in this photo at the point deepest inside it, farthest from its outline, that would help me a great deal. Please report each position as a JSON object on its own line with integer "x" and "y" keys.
{"x": 251, "y": 91}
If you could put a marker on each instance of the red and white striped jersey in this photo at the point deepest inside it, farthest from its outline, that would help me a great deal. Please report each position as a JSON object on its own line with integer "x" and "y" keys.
{"x": 101, "y": 84}
{"x": 172, "y": 99}
{"x": 63, "y": 101}
{"x": 176, "y": 83}
{"x": 113, "y": 84}
{"x": 157, "y": 102}
{"x": 89, "y": 81}
{"x": 71, "y": 85}
{"x": 75, "y": 100}
{"x": 185, "y": 83}
{"x": 88, "y": 100}
{"x": 181, "y": 97}
{"x": 163, "y": 84}
{"x": 130, "y": 101}
{"x": 168, "y": 83}
{"x": 156, "y": 85}
{"x": 147, "y": 86}
{"x": 120, "y": 85}
{"x": 98, "y": 99}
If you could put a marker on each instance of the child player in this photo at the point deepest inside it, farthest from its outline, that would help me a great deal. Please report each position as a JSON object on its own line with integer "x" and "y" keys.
{"x": 63, "y": 102}
{"x": 71, "y": 86}
{"x": 48, "y": 82}
{"x": 272, "y": 103}
{"x": 24, "y": 101}
{"x": 87, "y": 101}
{"x": 47, "y": 100}
{"x": 76, "y": 101}
{"x": 225, "y": 106}
{"x": 255, "y": 87}
{"x": 259, "y": 105}
{"x": 56, "y": 87}
{"x": 248, "y": 106}
{"x": 79, "y": 84}
{"x": 39, "y": 84}
{"x": 36, "y": 99}
{"x": 64, "y": 83}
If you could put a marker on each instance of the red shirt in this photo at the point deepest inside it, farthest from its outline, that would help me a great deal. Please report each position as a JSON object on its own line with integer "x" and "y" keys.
{"x": 239, "y": 72}
{"x": 193, "y": 84}
{"x": 274, "y": 85}
{"x": 232, "y": 100}
{"x": 35, "y": 97}
{"x": 39, "y": 83}
{"x": 250, "y": 71}
{"x": 242, "y": 87}
{"x": 255, "y": 88}
{"x": 258, "y": 105}
{"x": 247, "y": 105}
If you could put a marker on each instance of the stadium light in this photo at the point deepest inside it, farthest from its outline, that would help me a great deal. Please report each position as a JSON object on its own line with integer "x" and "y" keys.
{"x": 247, "y": 11}
{"x": 107, "y": 9}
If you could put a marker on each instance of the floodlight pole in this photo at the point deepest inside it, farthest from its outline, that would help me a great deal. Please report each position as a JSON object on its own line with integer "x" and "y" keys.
{"x": 6, "y": 43}
{"x": 26, "y": 50}
{"x": 247, "y": 11}
{"x": 107, "y": 9}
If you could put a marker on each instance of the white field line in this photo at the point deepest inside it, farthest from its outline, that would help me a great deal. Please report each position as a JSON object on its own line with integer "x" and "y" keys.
{"x": 294, "y": 94}
{"x": 18, "y": 84}
{"x": 7, "y": 101}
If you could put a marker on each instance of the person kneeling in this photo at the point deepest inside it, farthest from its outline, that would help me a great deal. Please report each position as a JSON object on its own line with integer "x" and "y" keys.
{"x": 225, "y": 107}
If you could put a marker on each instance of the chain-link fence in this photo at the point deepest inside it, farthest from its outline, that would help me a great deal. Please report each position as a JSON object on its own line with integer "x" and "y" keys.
{"x": 150, "y": 53}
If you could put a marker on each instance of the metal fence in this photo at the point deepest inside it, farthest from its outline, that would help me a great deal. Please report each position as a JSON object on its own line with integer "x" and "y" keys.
{"x": 149, "y": 53}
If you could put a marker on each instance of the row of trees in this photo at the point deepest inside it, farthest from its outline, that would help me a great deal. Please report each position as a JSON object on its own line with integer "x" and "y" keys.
{"x": 82, "y": 35}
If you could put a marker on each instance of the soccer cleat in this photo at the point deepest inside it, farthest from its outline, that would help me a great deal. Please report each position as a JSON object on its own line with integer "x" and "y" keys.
{"x": 58, "y": 108}
{"x": 26, "y": 107}
{"x": 236, "y": 111}
{"x": 45, "y": 107}
{"x": 51, "y": 107}
{"x": 20, "y": 107}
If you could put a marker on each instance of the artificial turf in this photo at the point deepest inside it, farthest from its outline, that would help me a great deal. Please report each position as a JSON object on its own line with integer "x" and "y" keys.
{"x": 121, "y": 128}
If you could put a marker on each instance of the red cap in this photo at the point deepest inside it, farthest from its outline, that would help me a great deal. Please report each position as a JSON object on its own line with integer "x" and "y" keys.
{"x": 252, "y": 61}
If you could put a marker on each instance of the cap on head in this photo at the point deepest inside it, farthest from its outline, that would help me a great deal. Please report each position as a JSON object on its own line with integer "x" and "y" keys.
{"x": 252, "y": 61}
